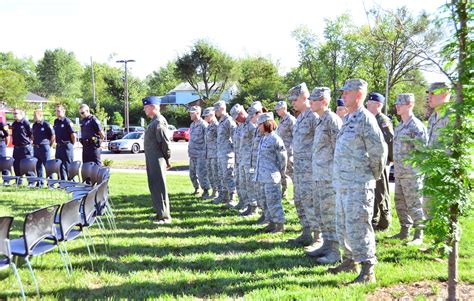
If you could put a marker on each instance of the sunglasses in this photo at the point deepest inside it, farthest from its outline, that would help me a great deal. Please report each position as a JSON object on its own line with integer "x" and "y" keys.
{"x": 82, "y": 113}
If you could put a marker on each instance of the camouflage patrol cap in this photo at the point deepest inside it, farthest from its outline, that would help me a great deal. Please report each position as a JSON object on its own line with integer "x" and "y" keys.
{"x": 296, "y": 91}
{"x": 194, "y": 109}
{"x": 236, "y": 109}
{"x": 208, "y": 111}
{"x": 264, "y": 117}
{"x": 354, "y": 84}
{"x": 438, "y": 85}
{"x": 405, "y": 98}
{"x": 281, "y": 104}
{"x": 255, "y": 107}
{"x": 219, "y": 104}
{"x": 320, "y": 92}
{"x": 374, "y": 96}
{"x": 340, "y": 102}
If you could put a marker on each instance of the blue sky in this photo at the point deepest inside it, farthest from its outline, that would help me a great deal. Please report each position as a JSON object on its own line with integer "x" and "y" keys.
{"x": 154, "y": 32}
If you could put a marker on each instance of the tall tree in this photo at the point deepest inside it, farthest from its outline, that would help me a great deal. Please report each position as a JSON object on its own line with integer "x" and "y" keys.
{"x": 162, "y": 81}
{"x": 24, "y": 66}
{"x": 59, "y": 73}
{"x": 12, "y": 88}
{"x": 207, "y": 65}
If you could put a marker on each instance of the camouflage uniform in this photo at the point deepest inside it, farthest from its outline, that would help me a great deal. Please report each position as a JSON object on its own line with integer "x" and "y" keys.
{"x": 303, "y": 137}
{"x": 211, "y": 155}
{"x": 324, "y": 195}
{"x": 285, "y": 131}
{"x": 408, "y": 183}
{"x": 270, "y": 165}
{"x": 225, "y": 155}
{"x": 197, "y": 155}
{"x": 247, "y": 135}
{"x": 259, "y": 196}
{"x": 382, "y": 215}
{"x": 435, "y": 124}
{"x": 359, "y": 159}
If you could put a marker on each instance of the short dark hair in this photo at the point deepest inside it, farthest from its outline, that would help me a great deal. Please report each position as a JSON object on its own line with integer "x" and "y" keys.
{"x": 269, "y": 126}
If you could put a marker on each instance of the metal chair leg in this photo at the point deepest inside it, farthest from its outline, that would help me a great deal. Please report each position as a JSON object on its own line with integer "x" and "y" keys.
{"x": 32, "y": 275}
{"x": 64, "y": 260}
{"x": 88, "y": 249}
{"x": 67, "y": 256}
{"x": 15, "y": 271}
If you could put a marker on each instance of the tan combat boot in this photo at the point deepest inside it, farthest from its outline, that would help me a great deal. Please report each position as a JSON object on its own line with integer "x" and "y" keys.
{"x": 348, "y": 265}
{"x": 279, "y": 228}
{"x": 367, "y": 274}
{"x": 332, "y": 255}
{"x": 403, "y": 234}
{"x": 304, "y": 239}
{"x": 417, "y": 238}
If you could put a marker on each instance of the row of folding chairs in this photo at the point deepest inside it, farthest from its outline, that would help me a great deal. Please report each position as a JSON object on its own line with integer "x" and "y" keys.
{"x": 52, "y": 227}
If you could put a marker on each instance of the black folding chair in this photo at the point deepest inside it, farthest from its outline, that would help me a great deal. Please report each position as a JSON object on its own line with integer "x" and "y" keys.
{"x": 39, "y": 237}
{"x": 73, "y": 176}
{"x": 103, "y": 204}
{"x": 52, "y": 168}
{"x": 6, "y": 257}
{"x": 27, "y": 170}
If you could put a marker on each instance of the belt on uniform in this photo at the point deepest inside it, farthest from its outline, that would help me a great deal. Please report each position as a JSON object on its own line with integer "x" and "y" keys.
{"x": 22, "y": 145}
{"x": 64, "y": 143}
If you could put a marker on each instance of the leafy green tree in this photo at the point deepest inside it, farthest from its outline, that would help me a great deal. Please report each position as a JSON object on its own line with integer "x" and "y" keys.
{"x": 12, "y": 88}
{"x": 448, "y": 165}
{"x": 162, "y": 81}
{"x": 258, "y": 80}
{"x": 207, "y": 65}
{"x": 59, "y": 73}
{"x": 117, "y": 119}
{"x": 23, "y": 66}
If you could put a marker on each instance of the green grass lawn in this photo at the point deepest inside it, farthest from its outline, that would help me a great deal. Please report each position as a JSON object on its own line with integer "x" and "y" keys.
{"x": 207, "y": 253}
{"x": 140, "y": 164}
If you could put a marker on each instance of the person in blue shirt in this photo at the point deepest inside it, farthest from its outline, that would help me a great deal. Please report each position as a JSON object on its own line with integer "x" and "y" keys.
{"x": 21, "y": 137}
{"x": 65, "y": 139}
{"x": 3, "y": 139}
{"x": 91, "y": 135}
{"x": 43, "y": 139}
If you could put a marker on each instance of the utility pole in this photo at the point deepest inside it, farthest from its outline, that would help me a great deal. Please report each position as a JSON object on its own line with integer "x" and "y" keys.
{"x": 127, "y": 123}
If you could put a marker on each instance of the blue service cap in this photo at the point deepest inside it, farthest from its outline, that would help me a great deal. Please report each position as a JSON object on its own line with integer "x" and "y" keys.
{"x": 340, "y": 102}
{"x": 151, "y": 100}
{"x": 376, "y": 97}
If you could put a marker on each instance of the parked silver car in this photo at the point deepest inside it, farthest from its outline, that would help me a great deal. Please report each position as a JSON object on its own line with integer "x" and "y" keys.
{"x": 132, "y": 142}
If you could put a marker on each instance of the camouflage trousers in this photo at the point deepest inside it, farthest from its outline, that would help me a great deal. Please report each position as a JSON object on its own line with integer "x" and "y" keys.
{"x": 382, "y": 213}
{"x": 324, "y": 201}
{"x": 198, "y": 173}
{"x": 304, "y": 200}
{"x": 248, "y": 186}
{"x": 226, "y": 175}
{"x": 261, "y": 200}
{"x": 274, "y": 209}
{"x": 409, "y": 201}
{"x": 212, "y": 173}
{"x": 288, "y": 175}
{"x": 354, "y": 209}
{"x": 237, "y": 179}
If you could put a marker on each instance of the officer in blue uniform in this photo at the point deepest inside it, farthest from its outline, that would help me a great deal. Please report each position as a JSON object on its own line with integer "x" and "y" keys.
{"x": 91, "y": 136}
{"x": 43, "y": 139}
{"x": 3, "y": 139}
{"x": 65, "y": 139}
{"x": 21, "y": 135}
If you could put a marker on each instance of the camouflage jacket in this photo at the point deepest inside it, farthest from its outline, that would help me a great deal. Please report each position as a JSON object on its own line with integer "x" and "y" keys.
{"x": 285, "y": 131}
{"x": 271, "y": 159}
{"x": 435, "y": 125}
{"x": 225, "y": 131}
{"x": 197, "y": 136}
{"x": 211, "y": 140}
{"x": 247, "y": 134}
{"x": 303, "y": 134}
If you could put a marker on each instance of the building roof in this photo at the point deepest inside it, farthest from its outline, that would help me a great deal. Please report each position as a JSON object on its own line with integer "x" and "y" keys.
{"x": 185, "y": 86}
{"x": 32, "y": 97}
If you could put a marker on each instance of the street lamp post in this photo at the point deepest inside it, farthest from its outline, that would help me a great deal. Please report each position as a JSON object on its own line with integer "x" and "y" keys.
{"x": 127, "y": 123}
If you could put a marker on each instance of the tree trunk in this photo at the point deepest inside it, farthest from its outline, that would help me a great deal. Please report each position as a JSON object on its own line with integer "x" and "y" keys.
{"x": 453, "y": 276}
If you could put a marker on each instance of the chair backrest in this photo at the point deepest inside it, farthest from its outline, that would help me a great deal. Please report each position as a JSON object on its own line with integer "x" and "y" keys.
{"x": 53, "y": 167}
{"x": 39, "y": 225}
{"x": 5, "y": 226}
{"x": 28, "y": 166}
{"x": 102, "y": 194}
{"x": 73, "y": 170}
{"x": 89, "y": 172}
{"x": 88, "y": 206}
{"x": 103, "y": 174}
{"x": 6, "y": 164}
{"x": 69, "y": 216}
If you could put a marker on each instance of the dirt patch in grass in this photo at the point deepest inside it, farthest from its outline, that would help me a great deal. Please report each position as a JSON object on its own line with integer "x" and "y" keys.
{"x": 430, "y": 290}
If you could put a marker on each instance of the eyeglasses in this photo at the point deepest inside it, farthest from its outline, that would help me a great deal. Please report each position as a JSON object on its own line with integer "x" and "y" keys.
{"x": 82, "y": 113}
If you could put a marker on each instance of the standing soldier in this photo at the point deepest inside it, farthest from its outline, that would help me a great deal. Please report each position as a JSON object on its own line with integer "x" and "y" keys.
{"x": 250, "y": 141}
{"x": 270, "y": 168}
{"x": 285, "y": 131}
{"x": 438, "y": 95}
{"x": 197, "y": 152}
{"x": 65, "y": 139}
{"x": 211, "y": 150}
{"x": 324, "y": 195}
{"x": 91, "y": 136}
{"x": 303, "y": 137}
{"x": 157, "y": 153}
{"x": 225, "y": 153}
{"x": 341, "y": 110}
{"x": 21, "y": 137}
{"x": 239, "y": 115}
{"x": 382, "y": 214}
{"x": 410, "y": 134}
{"x": 43, "y": 139}
{"x": 3, "y": 139}
{"x": 359, "y": 160}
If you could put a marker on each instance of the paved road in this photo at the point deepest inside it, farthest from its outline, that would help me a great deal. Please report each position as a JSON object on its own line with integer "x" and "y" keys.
{"x": 179, "y": 152}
